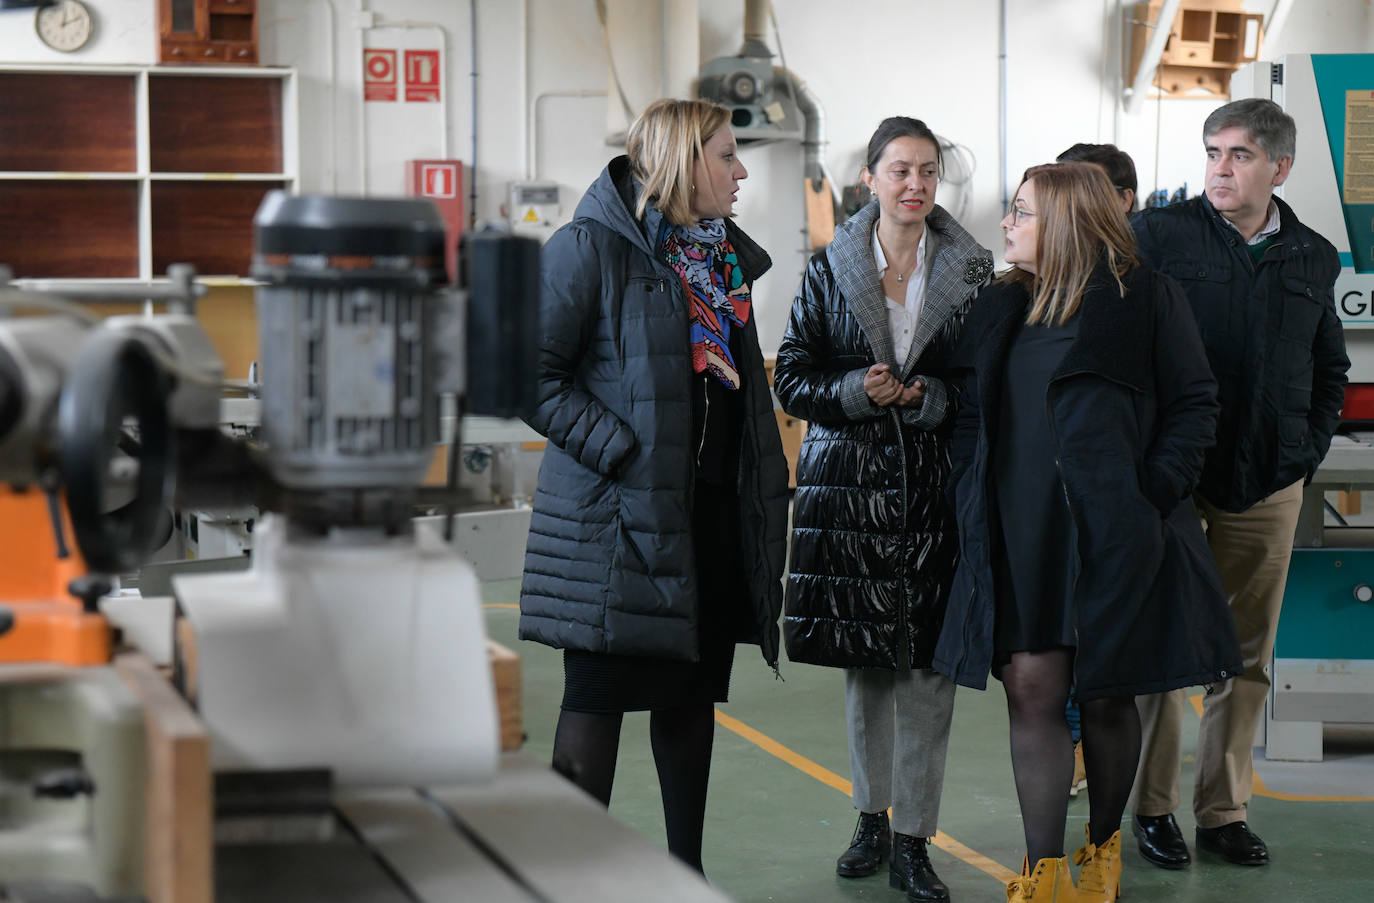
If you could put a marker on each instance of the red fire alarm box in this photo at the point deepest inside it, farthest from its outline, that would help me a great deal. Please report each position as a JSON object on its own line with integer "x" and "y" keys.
{"x": 441, "y": 180}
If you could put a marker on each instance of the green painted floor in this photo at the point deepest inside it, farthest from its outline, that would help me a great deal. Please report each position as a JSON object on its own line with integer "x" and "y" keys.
{"x": 773, "y": 830}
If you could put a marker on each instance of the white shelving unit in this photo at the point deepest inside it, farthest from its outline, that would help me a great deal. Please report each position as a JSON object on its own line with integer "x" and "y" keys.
{"x": 203, "y": 209}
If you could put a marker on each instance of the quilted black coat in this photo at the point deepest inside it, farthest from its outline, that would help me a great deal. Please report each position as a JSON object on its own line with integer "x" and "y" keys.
{"x": 873, "y": 540}
{"x": 1273, "y": 339}
{"x": 609, "y": 564}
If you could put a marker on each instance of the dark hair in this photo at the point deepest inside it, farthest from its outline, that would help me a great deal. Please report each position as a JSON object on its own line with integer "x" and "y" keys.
{"x": 1264, "y": 122}
{"x": 894, "y": 127}
{"x": 1118, "y": 164}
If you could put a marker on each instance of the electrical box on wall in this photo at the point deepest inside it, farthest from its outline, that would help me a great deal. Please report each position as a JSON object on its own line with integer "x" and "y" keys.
{"x": 532, "y": 209}
{"x": 442, "y": 182}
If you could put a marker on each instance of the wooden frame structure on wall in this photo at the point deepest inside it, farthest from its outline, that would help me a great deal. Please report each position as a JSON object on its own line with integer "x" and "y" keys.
{"x": 1208, "y": 41}
{"x": 115, "y": 172}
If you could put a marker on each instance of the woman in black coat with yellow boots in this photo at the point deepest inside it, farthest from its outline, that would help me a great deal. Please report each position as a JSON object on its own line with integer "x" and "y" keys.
{"x": 1087, "y": 410}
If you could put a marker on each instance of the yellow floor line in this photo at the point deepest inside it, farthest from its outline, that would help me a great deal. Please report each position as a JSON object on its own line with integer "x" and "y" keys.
{"x": 830, "y": 779}
{"x": 1258, "y": 788}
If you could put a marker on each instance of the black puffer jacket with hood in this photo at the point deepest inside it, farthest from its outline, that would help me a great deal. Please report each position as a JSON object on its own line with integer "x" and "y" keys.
{"x": 610, "y": 565}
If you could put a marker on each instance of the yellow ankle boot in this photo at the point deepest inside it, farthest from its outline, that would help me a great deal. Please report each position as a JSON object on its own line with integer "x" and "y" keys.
{"x": 1100, "y": 879}
{"x": 1049, "y": 882}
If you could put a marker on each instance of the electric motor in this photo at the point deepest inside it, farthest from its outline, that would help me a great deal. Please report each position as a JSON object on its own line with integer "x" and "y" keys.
{"x": 354, "y": 296}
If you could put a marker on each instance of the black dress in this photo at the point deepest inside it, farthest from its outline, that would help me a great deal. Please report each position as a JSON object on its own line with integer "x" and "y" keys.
{"x": 1034, "y": 581}
{"x": 598, "y": 682}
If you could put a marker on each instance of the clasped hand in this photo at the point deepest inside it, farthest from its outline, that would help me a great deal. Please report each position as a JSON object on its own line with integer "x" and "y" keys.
{"x": 885, "y": 389}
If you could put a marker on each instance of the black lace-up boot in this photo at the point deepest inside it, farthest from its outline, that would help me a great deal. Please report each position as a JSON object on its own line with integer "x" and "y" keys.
{"x": 911, "y": 871}
{"x": 870, "y": 846}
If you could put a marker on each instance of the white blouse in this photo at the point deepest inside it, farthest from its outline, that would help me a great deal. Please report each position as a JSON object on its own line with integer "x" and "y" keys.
{"x": 902, "y": 316}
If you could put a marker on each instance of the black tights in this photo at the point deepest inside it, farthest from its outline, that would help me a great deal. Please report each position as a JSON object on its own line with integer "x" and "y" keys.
{"x": 1037, "y": 685}
{"x": 584, "y": 751}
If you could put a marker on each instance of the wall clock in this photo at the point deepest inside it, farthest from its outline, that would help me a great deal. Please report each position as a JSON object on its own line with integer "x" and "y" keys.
{"x": 65, "y": 25}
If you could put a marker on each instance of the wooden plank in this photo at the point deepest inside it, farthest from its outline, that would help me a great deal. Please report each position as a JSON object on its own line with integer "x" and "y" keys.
{"x": 564, "y": 844}
{"x": 178, "y": 852}
{"x": 1348, "y": 502}
{"x": 820, "y": 213}
{"x": 505, "y": 673}
{"x": 792, "y": 430}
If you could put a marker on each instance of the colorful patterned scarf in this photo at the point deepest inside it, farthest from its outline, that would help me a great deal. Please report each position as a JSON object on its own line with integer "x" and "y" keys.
{"x": 717, "y": 297}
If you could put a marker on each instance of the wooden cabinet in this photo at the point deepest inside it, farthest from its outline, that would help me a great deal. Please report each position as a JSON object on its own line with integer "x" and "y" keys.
{"x": 207, "y": 31}
{"x": 117, "y": 172}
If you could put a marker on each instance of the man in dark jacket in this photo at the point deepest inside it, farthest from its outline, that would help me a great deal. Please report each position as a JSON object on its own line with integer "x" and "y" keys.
{"x": 1261, "y": 286}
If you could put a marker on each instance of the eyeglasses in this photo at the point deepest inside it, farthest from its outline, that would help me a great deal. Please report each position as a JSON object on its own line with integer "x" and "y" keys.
{"x": 1019, "y": 215}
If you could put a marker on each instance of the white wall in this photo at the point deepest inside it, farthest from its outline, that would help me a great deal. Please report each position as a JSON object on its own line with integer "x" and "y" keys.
{"x": 865, "y": 60}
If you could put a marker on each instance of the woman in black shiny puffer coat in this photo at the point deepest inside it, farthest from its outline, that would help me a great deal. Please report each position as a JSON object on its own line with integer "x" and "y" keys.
{"x": 873, "y": 543}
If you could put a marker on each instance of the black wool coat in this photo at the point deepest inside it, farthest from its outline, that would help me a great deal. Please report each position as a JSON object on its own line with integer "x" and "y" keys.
{"x": 873, "y": 542}
{"x": 610, "y": 565}
{"x": 1133, "y": 410}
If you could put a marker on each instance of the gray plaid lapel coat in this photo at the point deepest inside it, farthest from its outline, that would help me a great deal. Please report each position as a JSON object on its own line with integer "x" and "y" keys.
{"x": 954, "y": 263}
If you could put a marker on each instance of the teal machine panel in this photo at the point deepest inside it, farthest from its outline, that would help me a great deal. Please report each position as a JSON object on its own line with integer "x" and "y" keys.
{"x": 1323, "y": 615}
{"x": 1345, "y": 88}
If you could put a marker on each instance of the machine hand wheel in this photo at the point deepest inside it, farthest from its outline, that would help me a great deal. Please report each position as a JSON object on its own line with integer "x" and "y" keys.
{"x": 115, "y": 383}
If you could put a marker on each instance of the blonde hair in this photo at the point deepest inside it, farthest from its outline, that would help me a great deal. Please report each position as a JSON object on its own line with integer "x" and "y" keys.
{"x": 1078, "y": 220}
{"x": 663, "y": 145}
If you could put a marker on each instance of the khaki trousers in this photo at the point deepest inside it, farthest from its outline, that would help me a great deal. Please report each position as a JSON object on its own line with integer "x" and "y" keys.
{"x": 1252, "y": 550}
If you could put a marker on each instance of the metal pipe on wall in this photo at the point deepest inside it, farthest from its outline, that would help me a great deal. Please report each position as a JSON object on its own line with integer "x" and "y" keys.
{"x": 1002, "y": 97}
{"x": 755, "y": 29}
{"x": 809, "y": 105}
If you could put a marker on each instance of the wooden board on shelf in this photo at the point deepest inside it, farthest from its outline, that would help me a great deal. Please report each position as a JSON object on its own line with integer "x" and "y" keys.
{"x": 67, "y": 123}
{"x": 71, "y": 229}
{"x": 209, "y": 224}
{"x": 230, "y": 125}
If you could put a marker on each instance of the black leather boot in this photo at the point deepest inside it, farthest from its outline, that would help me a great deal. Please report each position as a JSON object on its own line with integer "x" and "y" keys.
{"x": 871, "y": 844}
{"x": 911, "y": 871}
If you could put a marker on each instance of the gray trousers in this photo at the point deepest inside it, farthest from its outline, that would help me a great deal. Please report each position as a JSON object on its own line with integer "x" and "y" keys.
{"x": 898, "y": 734}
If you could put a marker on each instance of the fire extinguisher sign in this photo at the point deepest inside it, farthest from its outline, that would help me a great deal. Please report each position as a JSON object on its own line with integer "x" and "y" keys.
{"x": 422, "y": 76}
{"x": 379, "y": 74}
{"x": 439, "y": 180}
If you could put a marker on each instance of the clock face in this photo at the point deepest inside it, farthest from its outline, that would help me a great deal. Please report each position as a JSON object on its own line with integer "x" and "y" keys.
{"x": 65, "y": 25}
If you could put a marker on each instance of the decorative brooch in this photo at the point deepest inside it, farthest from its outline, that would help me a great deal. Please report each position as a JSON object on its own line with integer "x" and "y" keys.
{"x": 977, "y": 270}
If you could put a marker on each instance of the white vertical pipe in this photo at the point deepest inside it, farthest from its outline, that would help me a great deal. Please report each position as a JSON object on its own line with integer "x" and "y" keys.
{"x": 333, "y": 97}
{"x": 1149, "y": 62}
{"x": 526, "y": 137}
{"x": 681, "y": 47}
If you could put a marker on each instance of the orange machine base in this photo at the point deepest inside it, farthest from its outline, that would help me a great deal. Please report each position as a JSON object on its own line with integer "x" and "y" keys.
{"x": 55, "y": 632}
{"x": 49, "y": 625}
